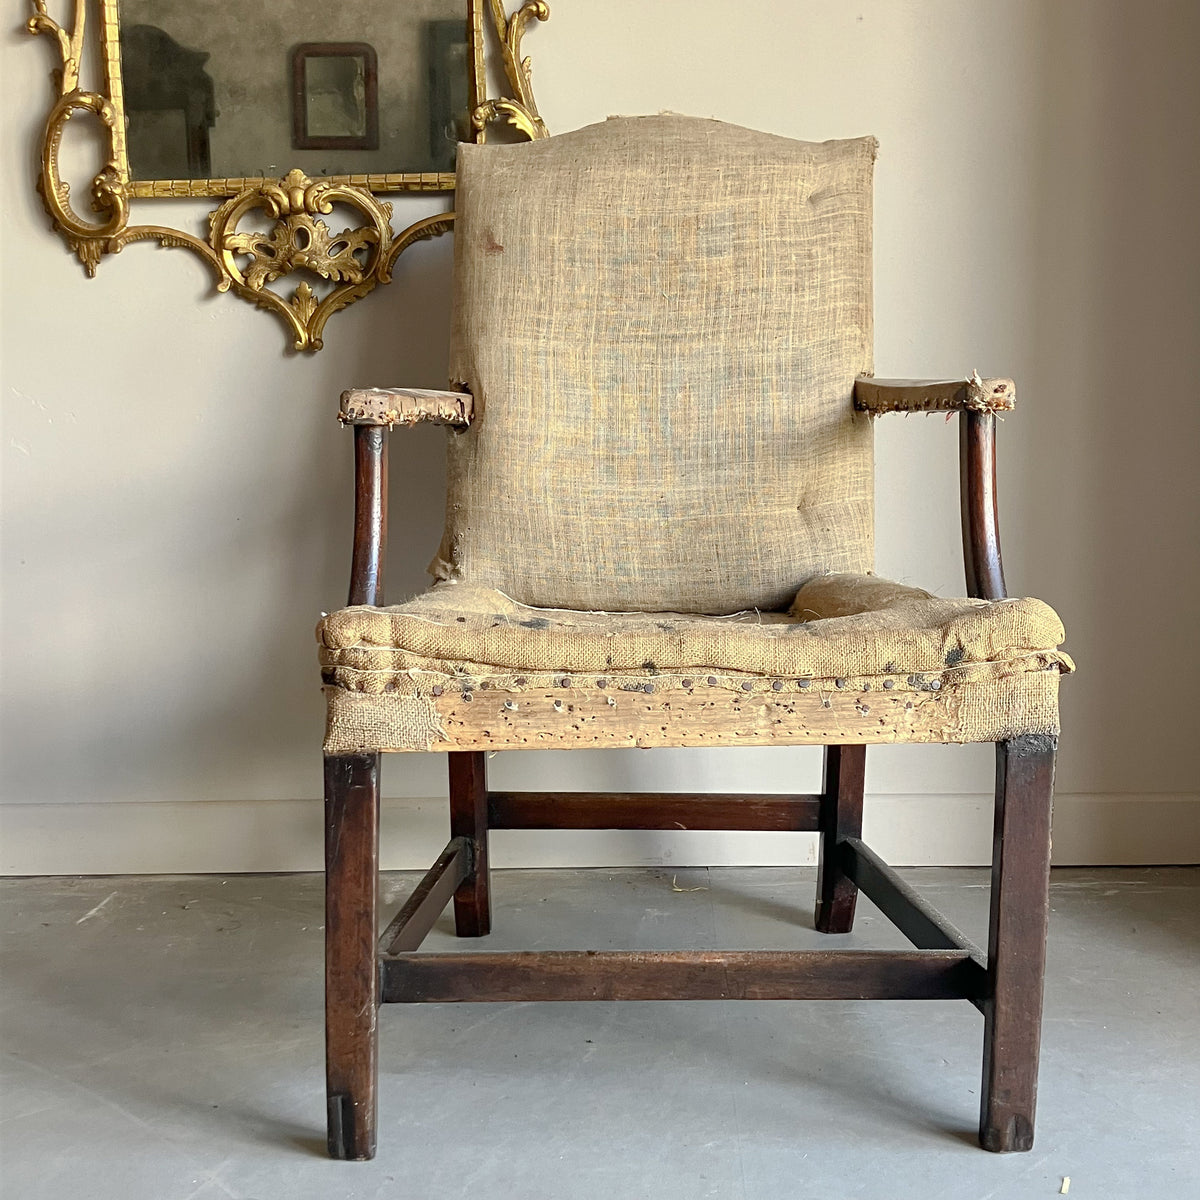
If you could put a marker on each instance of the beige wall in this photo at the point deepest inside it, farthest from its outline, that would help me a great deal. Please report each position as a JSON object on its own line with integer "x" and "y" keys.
{"x": 176, "y": 491}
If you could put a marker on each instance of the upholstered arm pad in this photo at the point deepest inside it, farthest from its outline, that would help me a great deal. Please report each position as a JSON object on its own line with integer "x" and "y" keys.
{"x": 404, "y": 406}
{"x": 877, "y": 396}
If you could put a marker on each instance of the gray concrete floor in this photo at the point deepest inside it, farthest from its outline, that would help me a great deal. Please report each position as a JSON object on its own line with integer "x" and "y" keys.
{"x": 162, "y": 1041}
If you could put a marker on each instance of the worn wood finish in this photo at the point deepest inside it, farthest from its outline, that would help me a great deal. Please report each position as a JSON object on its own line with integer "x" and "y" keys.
{"x": 1020, "y": 911}
{"x": 651, "y": 810}
{"x": 906, "y": 908}
{"x": 411, "y": 925}
{"x": 977, "y": 493}
{"x": 840, "y": 818}
{"x": 679, "y": 975}
{"x": 370, "y": 515}
{"x": 469, "y": 821}
{"x": 351, "y": 976}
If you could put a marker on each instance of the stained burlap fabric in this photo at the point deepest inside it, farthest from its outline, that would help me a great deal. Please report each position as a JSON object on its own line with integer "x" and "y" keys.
{"x": 843, "y": 632}
{"x": 661, "y": 319}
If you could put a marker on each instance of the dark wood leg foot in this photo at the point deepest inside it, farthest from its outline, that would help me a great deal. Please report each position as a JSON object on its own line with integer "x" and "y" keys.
{"x": 841, "y": 817}
{"x": 1017, "y": 941}
{"x": 351, "y": 972}
{"x": 469, "y": 819}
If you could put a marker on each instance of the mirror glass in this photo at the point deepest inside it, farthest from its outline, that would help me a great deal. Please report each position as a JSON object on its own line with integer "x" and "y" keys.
{"x": 215, "y": 90}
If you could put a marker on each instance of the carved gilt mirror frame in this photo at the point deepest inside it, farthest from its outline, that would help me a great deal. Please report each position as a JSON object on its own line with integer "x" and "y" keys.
{"x": 352, "y": 263}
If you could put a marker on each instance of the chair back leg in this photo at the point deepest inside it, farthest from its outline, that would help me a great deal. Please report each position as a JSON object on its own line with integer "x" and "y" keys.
{"x": 1020, "y": 910}
{"x": 351, "y": 970}
{"x": 469, "y": 819}
{"x": 840, "y": 818}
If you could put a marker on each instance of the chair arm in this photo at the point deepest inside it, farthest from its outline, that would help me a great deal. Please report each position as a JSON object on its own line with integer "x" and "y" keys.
{"x": 374, "y": 412}
{"x": 877, "y": 396}
{"x": 404, "y": 406}
{"x": 977, "y": 401}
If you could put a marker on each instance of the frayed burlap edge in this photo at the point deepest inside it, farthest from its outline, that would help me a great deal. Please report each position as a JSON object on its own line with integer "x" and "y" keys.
{"x": 880, "y": 396}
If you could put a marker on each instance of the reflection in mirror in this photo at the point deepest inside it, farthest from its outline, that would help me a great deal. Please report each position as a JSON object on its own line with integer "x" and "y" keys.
{"x": 335, "y": 96}
{"x": 360, "y": 87}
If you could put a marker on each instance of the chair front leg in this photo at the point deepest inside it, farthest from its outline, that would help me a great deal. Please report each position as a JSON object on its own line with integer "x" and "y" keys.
{"x": 351, "y": 971}
{"x": 1020, "y": 910}
{"x": 840, "y": 818}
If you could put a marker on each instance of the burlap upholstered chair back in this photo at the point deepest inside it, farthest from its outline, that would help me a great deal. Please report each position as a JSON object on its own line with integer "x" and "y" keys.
{"x": 661, "y": 319}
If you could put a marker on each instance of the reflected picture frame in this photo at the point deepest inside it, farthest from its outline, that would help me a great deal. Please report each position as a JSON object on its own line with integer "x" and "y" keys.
{"x": 335, "y": 96}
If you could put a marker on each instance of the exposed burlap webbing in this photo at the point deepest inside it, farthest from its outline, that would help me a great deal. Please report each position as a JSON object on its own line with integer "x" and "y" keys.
{"x": 661, "y": 319}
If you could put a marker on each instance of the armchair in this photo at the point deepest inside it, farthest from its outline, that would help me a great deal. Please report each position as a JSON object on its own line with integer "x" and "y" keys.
{"x": 658, "y": 533}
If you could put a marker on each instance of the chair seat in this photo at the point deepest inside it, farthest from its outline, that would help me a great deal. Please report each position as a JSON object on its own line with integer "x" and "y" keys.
{"x": 855, "y": 659}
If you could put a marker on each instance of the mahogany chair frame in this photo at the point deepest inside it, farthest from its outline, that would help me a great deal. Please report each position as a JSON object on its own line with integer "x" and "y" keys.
{"x": 1004, "y": 982}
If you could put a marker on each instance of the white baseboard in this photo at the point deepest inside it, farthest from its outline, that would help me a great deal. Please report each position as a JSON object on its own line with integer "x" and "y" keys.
{"x": 228, "y": 837}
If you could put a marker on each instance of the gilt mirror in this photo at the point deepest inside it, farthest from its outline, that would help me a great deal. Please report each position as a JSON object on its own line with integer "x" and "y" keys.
{"x": 296, "y": 115}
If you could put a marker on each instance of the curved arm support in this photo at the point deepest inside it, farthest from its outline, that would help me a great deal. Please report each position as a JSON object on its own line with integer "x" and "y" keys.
{"x": 370, "y": 514}
{"x": 980, "y": 522}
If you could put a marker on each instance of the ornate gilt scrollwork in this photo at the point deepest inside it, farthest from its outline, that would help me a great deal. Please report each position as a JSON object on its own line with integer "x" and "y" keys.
{"x": 246, "y": 261}
{"x": 521, "y": 109}
{"x": 300, "y": 240}
{"x": 109, "y": 201}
